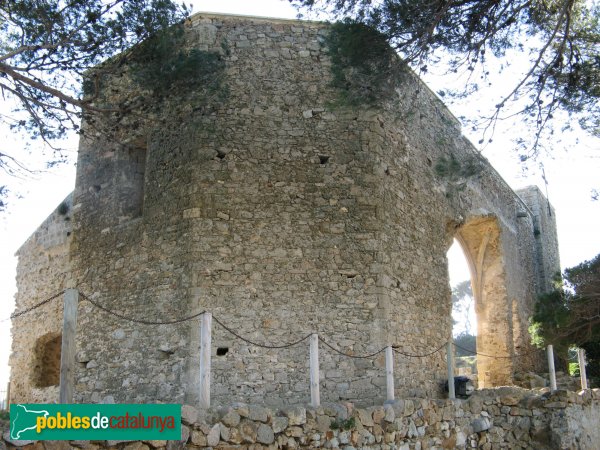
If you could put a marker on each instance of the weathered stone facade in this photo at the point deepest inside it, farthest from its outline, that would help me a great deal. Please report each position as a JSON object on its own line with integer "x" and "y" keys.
{"x": 283, "y": 214}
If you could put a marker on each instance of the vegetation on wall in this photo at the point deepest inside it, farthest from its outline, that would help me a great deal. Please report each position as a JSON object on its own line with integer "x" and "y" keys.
{"x": 558, "y": 40}
{"x": 456, "y": 173}
{"x": 365, "y": 68}
{"x": 163, "y": 63}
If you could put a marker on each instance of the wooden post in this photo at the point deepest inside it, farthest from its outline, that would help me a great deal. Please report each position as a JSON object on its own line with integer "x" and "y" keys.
{"x": 205, "y": 354}
{"x": 315, "y": 396}
{"x": 7, "y": 406}
{"x": 551, "y": 370}
{"x": 67, "y": 349}
{"x": 450, "y": 361}
{"x": 582, "y": 374}
{"x": 389, "y": 371}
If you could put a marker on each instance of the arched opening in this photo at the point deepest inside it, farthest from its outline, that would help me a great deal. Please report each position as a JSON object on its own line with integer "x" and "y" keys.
{"x": 464, "y": 318}
{"x": 46, "y": 369}
{"x": 479, "y": 239}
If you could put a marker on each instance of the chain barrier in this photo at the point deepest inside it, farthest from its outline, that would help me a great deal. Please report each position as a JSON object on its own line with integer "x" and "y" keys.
{"x": 257, "y": 344}
{"x": 31, "y": 308}
{"x": 498, "y": 357}
{"x": 408, "y": 355}
{"x": 291, "y": 344}
{"x": 349, "y": 355}
{"x": 140, "y": 321}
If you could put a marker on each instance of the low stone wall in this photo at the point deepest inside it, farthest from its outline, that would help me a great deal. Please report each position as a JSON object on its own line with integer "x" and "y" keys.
{"x": 490, "y": 419}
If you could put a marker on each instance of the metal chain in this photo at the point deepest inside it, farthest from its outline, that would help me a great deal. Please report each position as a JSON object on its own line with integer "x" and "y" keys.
{"x": 256, "y": 343}
{"x": 408, "y": 355}
{"x": 37, "y": 305}
{"x": 497, "y": 357}
{"x": 348, "y": 355}
{"x": 141, "y": 321}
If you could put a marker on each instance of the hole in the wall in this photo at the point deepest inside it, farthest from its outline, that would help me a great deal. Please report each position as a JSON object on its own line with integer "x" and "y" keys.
{"x": 165, "y": 353}
{"x": 222, "y": 351}
{"x": 350, "y": 276}
{"x": 429, "y": 162}
{"x": 221, "y": 154}
{"x": 387, "y": 171}
{"x": 68, "y": 233}
{"x": 96, "y": 187}
{"x": 323, "y": 159}
{"x": 46, "y": 356}
{"x": 63, "y": 209}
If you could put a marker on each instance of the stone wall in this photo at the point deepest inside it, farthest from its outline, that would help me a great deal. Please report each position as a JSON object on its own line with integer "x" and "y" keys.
{"x": 491, "y": 419}
{"x": 42, "y": 271}
{"x": 284, "y": 213}
{"x": 546, "y": 239}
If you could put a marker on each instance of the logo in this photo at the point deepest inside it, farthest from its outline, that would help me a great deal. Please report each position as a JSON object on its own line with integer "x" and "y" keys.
{"x": 95, "y": 422}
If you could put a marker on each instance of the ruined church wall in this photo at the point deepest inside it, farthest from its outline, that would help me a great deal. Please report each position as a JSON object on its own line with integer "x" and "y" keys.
{"x": 422, "y": 211}
{"x": 42, "y": 272}
{"x": 272, "y": 239}
{"x": 546, "y": 239}
{"x": 282, "y": 215}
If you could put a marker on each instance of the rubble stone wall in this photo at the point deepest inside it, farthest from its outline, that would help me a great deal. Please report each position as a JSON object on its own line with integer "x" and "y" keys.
{"x": 496, "y": 418}
{"x": 283, "y": 214}
{"x": 42, "y": 273}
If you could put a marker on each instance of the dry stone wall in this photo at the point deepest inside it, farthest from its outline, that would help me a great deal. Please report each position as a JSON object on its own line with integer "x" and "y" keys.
{"x": 284, "y": 213}
{"x": 492, "y": 419}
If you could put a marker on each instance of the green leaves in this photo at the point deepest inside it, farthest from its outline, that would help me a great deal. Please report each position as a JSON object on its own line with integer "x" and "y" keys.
{"x": 570, "y": 315}
{"x": 561, "y": 37}
{"x": 365, "y": 68}
{"x": 48, "y": 45}
{"x": 164, "y": 63}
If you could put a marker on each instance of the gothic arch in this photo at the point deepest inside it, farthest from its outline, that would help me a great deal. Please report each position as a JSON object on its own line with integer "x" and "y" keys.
{"x": 480, "y": 238}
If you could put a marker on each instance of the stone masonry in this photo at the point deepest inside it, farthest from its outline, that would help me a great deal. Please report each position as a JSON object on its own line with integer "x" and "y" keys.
{"x": 491, "y": 419}
{"x": 283, "y": 214}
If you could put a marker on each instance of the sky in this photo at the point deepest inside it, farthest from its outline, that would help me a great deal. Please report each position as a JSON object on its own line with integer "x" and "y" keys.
{"x": 572, "y": 170}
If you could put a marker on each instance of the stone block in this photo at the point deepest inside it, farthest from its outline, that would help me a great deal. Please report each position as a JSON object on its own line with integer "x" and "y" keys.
{"x": 481, "y": 424}
{"x": 248, "y": 430}
{"x": 258, "y": 413}
{"x": 279, "y": 424}
{"x": 231, "y": 419}
{"x": 189, "y": 414}
{"x": 265, "y": 434}
{"x": 296, "y": 415}
{"x": 214, "y": 435}
{"x": 199, "y": 439}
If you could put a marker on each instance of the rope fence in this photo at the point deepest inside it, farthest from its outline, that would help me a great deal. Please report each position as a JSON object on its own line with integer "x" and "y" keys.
{"x": 72, "y": 296}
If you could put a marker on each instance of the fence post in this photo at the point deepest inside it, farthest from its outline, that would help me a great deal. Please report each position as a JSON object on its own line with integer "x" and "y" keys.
{"x": 389, "y": 371}
{"x": 582, "y": 374}
{"x": 551, "y": 370}
{"x": 67, "y": 349}
{"x": 315, "y": 396}
{"x": 7, "y": 406}
{"x": 450, "y": 361}
{"x": 205, "y": 350}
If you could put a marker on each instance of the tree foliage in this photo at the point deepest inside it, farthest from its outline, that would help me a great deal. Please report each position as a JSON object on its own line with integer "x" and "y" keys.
{"x": 562, "y": 35}
{"x": 462, "y": 302}
{"x": 570, "y": 315}
{"x": 47, "y": 46}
